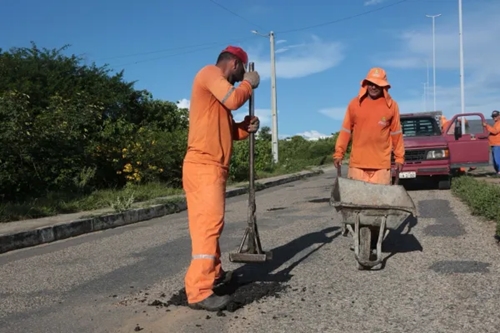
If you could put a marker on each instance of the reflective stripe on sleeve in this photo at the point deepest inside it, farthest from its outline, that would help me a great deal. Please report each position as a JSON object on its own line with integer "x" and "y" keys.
{"x": 203, "y": 256}
{"x": 228, "y": 94}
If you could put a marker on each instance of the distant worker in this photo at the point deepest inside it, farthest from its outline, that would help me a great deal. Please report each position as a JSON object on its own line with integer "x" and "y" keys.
{"x": 212, "y": 130}
{"x": 442, "y": 122}
{"x": 373, "y": 120}
{"x": 494, "y": 139}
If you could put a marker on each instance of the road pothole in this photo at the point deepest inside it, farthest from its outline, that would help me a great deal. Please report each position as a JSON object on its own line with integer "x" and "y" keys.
{"x": 459, "y": 266}
{"x": 242, "y": 294}
{"x": 275, "y": 208}
{"x": 321, "y": 200}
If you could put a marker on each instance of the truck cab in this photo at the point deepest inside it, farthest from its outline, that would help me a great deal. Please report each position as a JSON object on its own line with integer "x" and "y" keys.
{"x": 439, "y": 153}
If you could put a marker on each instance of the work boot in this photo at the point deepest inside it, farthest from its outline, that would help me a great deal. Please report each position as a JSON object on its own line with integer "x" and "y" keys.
{"x": 224, "y": 278}
{"x": 211, "y": 303}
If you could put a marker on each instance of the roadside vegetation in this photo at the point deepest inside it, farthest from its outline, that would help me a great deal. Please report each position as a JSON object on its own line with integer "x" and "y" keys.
{"x": 78, "y": 137}
{"x": 483, "y": 198}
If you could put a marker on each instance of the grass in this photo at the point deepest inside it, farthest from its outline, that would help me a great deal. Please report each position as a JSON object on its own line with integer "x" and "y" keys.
{"x": 480, "y": 196}
{"x": 64, "y": 203}
{"x": 118, "y": 200}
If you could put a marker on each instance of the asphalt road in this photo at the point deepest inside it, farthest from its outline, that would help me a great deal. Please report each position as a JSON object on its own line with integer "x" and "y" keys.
{"x": 442, "y": 277}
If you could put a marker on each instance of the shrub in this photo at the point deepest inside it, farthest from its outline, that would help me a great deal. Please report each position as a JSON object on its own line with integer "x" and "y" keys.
{"x": 483, "y": 198}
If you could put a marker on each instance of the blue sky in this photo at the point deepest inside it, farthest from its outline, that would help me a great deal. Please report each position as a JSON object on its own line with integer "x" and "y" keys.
{"x": 162, "y": 44}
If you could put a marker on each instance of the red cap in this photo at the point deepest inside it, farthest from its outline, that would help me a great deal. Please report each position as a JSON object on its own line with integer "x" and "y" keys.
{"x": 238, "y": 52}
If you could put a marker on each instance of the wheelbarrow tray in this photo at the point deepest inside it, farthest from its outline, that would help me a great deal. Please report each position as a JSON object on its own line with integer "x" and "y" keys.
{"x": 370, "y": 206}
{"x": 371, "y": 203}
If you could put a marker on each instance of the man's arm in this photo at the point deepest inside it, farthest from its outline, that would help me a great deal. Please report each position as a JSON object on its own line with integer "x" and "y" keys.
{"x": 231, "y": 97}
{"x": 495, "y": 129}
{"x": 344, "y": 136}
{"x": 397, "y": 136}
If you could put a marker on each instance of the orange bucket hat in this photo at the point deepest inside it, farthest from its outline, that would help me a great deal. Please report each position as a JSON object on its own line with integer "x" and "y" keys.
{"x": 378, "y": 76}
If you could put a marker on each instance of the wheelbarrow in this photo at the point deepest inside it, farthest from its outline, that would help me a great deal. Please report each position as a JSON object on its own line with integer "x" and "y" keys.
{"x": 369, "y": 210}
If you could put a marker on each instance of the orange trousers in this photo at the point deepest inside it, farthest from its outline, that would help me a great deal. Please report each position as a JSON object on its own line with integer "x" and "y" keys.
{"x": 205, "y": 189}
{"x": 375, "y": 176}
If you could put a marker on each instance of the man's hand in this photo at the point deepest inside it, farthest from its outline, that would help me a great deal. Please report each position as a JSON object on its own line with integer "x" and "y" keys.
{"x": 485, "y": 124}
{"x": 253, "y": 78}
{"x": 254, "y": 124}
{"x": 337, "y": 162}
{"x": 399, "y": 167}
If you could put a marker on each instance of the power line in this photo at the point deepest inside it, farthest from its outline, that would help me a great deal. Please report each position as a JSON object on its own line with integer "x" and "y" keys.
{"x": 211, "y": 45}
{"x": 182, "y": 53}
{"x": 342, "y": 19}
{"x": 157, "y": 51}
{"x": 236, "y": 14}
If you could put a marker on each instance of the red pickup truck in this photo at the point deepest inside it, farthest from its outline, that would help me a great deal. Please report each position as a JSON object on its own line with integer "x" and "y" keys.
{"x": 436, "y": 153}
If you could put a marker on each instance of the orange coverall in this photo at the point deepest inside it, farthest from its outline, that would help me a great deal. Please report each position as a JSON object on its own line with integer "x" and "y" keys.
{"x": 212, "y": 130}
{"x": 375, "y": 128}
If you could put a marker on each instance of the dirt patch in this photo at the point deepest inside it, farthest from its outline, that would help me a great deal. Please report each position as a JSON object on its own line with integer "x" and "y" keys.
{"x": 242, "y": 294}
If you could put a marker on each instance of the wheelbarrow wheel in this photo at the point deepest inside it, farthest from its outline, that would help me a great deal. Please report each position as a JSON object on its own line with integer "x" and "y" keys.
{"x": 365, "y": 235}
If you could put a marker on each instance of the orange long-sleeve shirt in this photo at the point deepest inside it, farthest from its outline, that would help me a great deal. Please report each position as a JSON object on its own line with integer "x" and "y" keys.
{"x": 494, "y": 137}
{"x": 376, "y": 129}
{"x": 212, "y": 128}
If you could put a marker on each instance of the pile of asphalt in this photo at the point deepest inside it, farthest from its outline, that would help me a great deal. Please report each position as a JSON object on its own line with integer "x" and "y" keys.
{"x": 241, "y": 293}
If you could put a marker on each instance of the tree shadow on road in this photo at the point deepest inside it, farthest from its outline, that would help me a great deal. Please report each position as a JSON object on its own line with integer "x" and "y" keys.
{"x": 263, "y": 272}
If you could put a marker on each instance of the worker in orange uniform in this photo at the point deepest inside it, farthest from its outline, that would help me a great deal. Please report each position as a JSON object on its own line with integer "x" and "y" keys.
{"x": 372, "y": 118}
{"x": 494, "y": 139}
{"x": 442, "y": 122}
{"x": 212, "y": 130}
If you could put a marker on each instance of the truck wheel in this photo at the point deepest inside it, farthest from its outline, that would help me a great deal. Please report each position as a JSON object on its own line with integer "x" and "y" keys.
{"x": 444, "y": 184}
{"x": 364, "y": 245}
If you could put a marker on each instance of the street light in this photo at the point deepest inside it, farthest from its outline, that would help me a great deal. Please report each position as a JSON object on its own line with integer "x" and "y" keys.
{"x": 424, "y": 97}
{"x": 434, "y": 54}
{"x": 426, "y": 84}
{"x": 274, "y": 111}
{"x": 462, "y": 85}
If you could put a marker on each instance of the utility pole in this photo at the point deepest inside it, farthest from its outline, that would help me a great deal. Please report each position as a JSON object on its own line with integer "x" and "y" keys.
{"x": 462, "y": 79}
{"x": 434, "y": 54}
{"x": 274, "y": 108}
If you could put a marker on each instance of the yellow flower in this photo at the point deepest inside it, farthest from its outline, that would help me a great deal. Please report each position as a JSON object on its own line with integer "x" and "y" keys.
{"x": 127, "y": 168}
{"x": 160, "y": 170}
{"x": 124, "y": 150}
{"x": 153, "y": 142}
{"x": 138, "y": 162}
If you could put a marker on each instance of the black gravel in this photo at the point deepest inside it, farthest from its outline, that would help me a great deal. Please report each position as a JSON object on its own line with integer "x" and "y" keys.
{"x": 241, "y": 293}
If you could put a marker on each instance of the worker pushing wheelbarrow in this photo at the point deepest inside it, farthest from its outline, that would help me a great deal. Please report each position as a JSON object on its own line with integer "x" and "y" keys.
{"x": 370, "y": 210}
{"x": 369, "y": 204}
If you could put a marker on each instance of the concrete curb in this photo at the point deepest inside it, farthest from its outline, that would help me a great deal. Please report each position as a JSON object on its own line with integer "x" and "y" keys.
{"x": 60, "y": 231}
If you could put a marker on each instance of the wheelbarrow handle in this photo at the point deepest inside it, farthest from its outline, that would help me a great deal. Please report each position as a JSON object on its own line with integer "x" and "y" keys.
{"x": 396, "y": 178}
